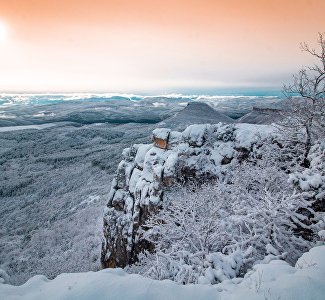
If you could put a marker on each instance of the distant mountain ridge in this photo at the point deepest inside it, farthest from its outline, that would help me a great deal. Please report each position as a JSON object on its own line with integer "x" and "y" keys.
{"x": 261, "y": 116}
{"x": 195, "y": 113}
{"x": 203, "y": 113}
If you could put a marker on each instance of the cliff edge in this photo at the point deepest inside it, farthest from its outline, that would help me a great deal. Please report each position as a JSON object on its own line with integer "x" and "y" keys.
{"x": 146, "y": 170}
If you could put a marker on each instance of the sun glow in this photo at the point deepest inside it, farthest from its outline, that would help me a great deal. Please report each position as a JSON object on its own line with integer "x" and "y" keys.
{"x": 3, "y": 31}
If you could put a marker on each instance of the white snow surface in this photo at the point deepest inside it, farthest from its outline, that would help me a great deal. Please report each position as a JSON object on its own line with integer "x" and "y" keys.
{"x": 13, "y": 128}
{"x": 247, "y": 134}
{"x": 161, "y": 133}
{"x": 276, "y": 280}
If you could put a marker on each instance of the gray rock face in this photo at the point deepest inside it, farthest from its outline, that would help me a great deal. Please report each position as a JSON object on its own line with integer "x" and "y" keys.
{"x": 200, "y": 151}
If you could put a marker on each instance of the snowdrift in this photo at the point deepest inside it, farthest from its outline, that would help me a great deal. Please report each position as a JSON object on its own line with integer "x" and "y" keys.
{"x": 277, "y": 280}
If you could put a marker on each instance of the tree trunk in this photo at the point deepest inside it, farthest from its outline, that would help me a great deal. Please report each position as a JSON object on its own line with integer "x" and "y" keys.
{"x": 306, "y": 162}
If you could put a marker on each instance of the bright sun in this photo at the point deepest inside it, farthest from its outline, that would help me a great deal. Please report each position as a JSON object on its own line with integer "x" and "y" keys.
{"x": 3, "y": 31}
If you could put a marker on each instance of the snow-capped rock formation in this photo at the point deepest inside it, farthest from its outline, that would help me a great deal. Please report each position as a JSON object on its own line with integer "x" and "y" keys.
{"x": 199, "y": 152}
{"x": 261, "y": 116}
{"x": 195, "y": 113}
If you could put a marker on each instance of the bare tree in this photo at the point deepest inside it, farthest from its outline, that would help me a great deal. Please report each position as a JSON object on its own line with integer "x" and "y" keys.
{"x": 306, "y": 113}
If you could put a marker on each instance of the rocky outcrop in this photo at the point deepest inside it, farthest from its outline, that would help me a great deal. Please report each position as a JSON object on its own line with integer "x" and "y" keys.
{"x": 160, "y": 138}
{"x": 262, "y": 116}
{"x": 195, "y": 113}
{"x": 199, "y": 152}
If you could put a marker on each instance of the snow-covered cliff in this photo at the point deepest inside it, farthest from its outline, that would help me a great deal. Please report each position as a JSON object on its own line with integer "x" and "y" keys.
{"x": 199, "y": 152}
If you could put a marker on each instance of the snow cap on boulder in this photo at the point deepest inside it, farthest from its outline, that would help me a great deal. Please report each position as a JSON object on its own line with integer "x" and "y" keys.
{"x": 160, "y": 137}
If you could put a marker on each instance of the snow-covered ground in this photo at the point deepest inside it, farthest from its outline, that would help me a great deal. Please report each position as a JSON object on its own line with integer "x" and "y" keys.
{"x": 13, "y": 128}
{"x": 276, "y": 280}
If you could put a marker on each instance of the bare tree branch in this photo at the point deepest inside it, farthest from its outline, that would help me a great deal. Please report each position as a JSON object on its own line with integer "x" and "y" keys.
{"x": 306, "y": 95}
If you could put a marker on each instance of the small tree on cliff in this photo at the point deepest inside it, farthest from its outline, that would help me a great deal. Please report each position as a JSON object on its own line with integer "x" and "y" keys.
{"x": 306, "y": 93}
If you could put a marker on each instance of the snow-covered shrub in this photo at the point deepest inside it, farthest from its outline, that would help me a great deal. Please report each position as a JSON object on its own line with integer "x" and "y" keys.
{"x": 217, "y": 231}
{"x": 307, "y": 179}
{"x": 4, "y": 277}
{"x": 226, "y": 133}
{"x": 312, "y": 180}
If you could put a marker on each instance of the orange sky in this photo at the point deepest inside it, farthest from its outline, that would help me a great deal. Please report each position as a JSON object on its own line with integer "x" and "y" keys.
{"x": 151, "y": 45}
